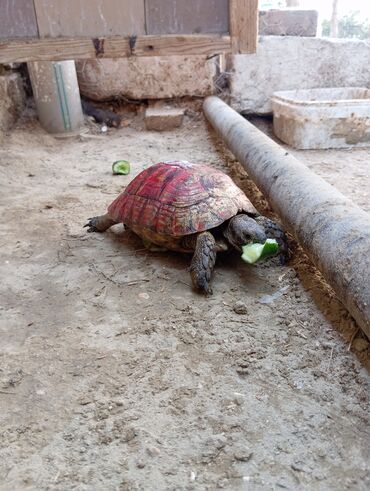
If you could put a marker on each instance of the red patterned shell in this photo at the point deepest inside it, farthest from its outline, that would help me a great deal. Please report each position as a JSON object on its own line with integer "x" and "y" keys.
{"x": 179, "y": 198}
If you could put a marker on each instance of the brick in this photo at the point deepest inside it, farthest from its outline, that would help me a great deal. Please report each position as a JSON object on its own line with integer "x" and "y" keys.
{"x": 163, "y": 118}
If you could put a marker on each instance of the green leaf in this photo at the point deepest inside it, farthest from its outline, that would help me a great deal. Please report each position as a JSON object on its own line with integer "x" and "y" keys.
{"x": 254, "y": 252}
{"x": 121, "y": 167}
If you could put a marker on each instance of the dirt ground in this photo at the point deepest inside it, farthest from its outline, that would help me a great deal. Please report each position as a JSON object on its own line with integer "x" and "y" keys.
{"x": 115, "y": 375}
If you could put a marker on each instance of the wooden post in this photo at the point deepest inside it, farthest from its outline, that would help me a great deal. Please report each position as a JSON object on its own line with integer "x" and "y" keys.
{"x": 243, "y": 25}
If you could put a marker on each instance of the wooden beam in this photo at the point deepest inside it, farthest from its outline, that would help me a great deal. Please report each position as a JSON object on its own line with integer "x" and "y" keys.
{"x": 244, "y": 25}
{"x": 191, "y": 44}
{"x": 63, "y": 48}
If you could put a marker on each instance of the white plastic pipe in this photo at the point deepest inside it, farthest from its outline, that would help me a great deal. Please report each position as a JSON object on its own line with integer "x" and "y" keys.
{"x": 57, "y": 95}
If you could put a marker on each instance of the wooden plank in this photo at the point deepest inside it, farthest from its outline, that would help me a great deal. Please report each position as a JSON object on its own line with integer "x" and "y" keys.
{"x": 187, "y": 17}
{"x": 192, "y": 44}
{"x": 111, "y": 47}
{"x": 244, "y": 25}
{"x": 17, "y": 19}
{"x": 93, "y": 18}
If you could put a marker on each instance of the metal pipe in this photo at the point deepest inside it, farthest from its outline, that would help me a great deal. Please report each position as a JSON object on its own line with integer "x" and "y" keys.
{"x": 331, "y": 229}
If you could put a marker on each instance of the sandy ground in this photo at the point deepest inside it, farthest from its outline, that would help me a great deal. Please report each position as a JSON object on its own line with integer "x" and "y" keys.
{"x": 115, "y": 375}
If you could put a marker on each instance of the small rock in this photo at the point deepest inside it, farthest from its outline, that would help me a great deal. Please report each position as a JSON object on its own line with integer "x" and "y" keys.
{"x": 240, "y": 308}
{"x": 243, "y": 454}
{"x": 83, "y": 400}
{"x": 242, "y": 371}
{"x": 129, "y": 435}
{"x": 298, "y": 466}
{"x": 213, "y": 445}
{"x": 243, "y": 367}
{"x": 285, "y": 482}
{"x": 239, "y": 400}
{"x": 163, "y": 119}
{"x": 140, "y": 463}
{"x": 360, "y": 344}
{"x": 216, "y": 441}
{"x": 144, "y": 295}
{"x": 153, "y": 451}
{"x": 327, "y": 345}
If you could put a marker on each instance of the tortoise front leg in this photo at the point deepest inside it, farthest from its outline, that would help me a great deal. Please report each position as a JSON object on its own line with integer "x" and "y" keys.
{"x": 203, "y": 262}
{"x": 100, "y": 223}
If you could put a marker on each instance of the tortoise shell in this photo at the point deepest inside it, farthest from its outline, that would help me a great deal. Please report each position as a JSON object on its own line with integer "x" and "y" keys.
{"x": 179, "y": 198}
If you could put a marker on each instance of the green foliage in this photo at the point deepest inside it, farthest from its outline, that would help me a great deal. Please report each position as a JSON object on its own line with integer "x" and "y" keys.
{"x": 349, "y": 26}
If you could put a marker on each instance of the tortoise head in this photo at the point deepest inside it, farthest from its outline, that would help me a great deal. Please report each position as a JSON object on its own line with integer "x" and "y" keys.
{"x": 242, "y": 230}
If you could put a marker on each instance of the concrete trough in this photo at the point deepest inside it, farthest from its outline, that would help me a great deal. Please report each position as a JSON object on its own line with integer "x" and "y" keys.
{"x": 323, "y": 118}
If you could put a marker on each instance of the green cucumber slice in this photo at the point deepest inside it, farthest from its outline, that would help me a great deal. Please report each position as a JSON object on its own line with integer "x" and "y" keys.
{"x": 254, "y": 252}
{"x": 121, "y": 167}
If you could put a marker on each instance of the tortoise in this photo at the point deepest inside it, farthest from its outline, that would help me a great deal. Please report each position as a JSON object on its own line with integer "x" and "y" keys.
{"x": 191, "y": 208}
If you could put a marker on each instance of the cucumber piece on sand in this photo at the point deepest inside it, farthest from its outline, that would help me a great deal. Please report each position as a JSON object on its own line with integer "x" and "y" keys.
{"x": 121, "y": 167}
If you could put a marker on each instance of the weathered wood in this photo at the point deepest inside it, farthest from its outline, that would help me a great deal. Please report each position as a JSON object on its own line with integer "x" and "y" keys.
{"x": 93, "y": 18}
{"x": 181, "y": 45}
{"x": 187, "y": 17}
{"x": 331, "y": 229}
{"x": 17, "y": 19}
{"x": 243, "y": 25}
{"x": 58, "y": 49}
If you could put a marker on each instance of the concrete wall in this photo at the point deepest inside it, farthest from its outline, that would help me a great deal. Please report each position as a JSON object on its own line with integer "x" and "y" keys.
{"x": 146, "y": 78}
{"x": 288, "y": 22}
{"x": 12, "y": 99}
{"x": 285, "y": 63}
{"x": 281, "y": 63}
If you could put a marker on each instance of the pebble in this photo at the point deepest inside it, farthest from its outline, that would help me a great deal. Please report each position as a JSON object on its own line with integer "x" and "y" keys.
{"x": 83, "y": 400}
{"x": 153, "y": 451}
{"x": 239, "y": 400}
{"x": 240, "y": 308}
{"x": 243, "y": 454}
{"x": 129, "y": 435}
{"x": 216, "y": 441}
{"x": 360, "y": 344}
{"x": 140, "y": 464}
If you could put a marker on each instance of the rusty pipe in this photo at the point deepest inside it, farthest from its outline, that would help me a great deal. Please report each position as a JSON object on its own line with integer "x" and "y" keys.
{"x": 333, "y": 231}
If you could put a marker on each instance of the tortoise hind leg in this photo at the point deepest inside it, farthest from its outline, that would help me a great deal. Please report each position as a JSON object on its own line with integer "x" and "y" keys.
{"x": 203, "y": 262}
{"x": 100, "y": 223}
{"x": 273, "y": 230}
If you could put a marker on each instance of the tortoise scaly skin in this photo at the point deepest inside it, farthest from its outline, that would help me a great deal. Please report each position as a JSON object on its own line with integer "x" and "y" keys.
{"x": 191, "y": 208}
